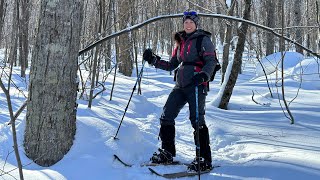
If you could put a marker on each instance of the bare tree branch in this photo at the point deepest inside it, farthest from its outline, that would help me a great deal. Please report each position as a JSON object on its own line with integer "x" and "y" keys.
{"x": 14, "y": 132}
{"x": 293, "y": 27}
{"x": 16, "y": 115}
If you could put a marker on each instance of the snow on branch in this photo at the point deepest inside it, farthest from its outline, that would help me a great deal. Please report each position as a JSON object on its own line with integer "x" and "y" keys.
{"x": 219, "y": 16}
{"x": 293, "y": 27}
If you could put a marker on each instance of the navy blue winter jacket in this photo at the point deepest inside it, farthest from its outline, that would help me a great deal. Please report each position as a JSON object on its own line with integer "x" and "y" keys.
{"x": 187, "y": 52}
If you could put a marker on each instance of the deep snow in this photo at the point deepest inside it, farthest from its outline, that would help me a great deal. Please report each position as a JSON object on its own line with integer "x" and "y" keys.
{"x": 248, "y": 141}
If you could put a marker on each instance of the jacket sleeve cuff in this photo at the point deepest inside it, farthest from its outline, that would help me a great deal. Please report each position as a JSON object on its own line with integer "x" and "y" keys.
{"x": 206, "y": 77}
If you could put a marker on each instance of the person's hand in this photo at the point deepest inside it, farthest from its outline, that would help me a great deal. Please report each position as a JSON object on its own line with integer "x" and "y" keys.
{"x": 148, "y": 56}
{"x": 199, "y": 78}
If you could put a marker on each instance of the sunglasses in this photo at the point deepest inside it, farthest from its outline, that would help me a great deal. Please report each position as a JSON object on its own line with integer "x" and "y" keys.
{"x": 190, "y": 13}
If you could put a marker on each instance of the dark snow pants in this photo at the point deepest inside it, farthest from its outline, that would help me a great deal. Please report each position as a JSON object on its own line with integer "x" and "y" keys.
{"x": 176, "y": 101}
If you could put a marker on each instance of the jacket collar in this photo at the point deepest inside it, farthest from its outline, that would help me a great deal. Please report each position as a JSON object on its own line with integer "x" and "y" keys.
{"x": 183, "y": 35}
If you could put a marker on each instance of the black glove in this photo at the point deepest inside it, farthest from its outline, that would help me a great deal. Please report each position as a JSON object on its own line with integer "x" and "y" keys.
{"x": 157, "y": 57}
{"x": 148, "y": 56}
{"x": 199, "y": 78}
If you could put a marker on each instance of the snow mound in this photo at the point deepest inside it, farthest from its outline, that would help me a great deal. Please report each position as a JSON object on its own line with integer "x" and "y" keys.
{"x": 307, "y": 71}
{"x": 270, "y": 62}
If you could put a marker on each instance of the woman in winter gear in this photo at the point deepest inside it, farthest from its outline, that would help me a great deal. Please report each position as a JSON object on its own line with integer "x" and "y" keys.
{"x": 191, "y": 71}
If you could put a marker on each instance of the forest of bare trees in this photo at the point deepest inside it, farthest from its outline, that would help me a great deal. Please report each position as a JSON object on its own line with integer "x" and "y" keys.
{"x": 18, "y": 29}
{"x": 104, "y": 17}
{"x": 47, "y": 36}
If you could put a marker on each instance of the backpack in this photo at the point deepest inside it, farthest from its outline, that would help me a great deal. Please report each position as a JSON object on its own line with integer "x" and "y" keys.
{"x": 198, "y": 46}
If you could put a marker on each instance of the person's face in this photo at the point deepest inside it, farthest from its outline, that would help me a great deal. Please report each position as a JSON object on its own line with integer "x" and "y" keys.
{"x": 189, "y": 26}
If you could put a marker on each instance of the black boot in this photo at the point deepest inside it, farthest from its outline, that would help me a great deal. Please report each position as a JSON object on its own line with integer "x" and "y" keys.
{"x": 163, "y": 157}
{"x": 204, "y": 165}
{"x": 205, "y": 150}
{"x": 167, "y": 135}
{"x": 168, "y": 151}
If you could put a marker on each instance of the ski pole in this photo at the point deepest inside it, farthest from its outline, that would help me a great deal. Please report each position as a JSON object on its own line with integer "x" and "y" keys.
{"x": 197, "y": 129}
{"x": 139, "y": 77}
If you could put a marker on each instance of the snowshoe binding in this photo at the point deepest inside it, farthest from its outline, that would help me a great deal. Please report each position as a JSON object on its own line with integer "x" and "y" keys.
{"x": 204, "y": 165}
{"x": 163, "y": 157}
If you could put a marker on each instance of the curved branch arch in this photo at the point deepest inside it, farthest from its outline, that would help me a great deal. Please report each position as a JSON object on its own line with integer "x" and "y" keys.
{"x": 219, "y": 16}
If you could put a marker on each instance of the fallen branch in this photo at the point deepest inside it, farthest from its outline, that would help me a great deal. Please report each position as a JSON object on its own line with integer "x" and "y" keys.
{"x": 103, "y": 89}
{"x": 262, "y": 104}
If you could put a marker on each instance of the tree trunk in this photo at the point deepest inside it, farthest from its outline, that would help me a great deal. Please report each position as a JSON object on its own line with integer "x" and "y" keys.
{"x": 23, "y": 35}
{"x": 155, "y": 30}
{"x": 108, "y": 29}
{"x": 14, "y": 34}
{"x": 2, "y": 15}
{"x": 236, "y": 66}
{"x": 280, "y": 7}
{"x": 318, "y": 23}
{"x": 220, "y": 22}
{"x": 51, "y": 111}
{"x": 116, "y": 47}
{"x": 270, "y": 23}
{"x": 297, "y": 21}
{"x": 125, "y": 65}
{"x": 227, "y": 42}
{"x": 93, "y": 74}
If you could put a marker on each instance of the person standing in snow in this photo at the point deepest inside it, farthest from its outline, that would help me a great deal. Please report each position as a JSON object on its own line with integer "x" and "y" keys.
{"x": 191, "y": 71}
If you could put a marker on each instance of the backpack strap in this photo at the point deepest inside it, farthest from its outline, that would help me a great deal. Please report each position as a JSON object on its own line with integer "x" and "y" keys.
{"x": 198, "y": 46}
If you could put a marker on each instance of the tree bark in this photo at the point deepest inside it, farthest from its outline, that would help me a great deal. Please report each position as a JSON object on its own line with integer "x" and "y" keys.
{"x": 318, "y": 23}
{"x": 270, "y": 23}
{"x": 2, "y": 15}
{"x": 23, "y": 35}
{"x": 297, "y": 21}
{"x": 227, "y": 42}
{"x": 108, "y": 29}
{"x": 236, "y": 66}
{"x": 280, "y": 7}
{"x": 51, "y": 111}
{"x": 125, "y": 61}
{"x": 93, "y": 75}
{"x": 220, "y": 22}
{"x": 14, "y": 34}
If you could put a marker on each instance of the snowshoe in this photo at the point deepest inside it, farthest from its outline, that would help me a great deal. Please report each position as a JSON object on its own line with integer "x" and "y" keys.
{"x": 163, "y": 157}
{"x": 204, "y": 165}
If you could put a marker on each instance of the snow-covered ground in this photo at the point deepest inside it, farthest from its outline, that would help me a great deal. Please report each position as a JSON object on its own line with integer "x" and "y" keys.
{"x": 248, "y": 141}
